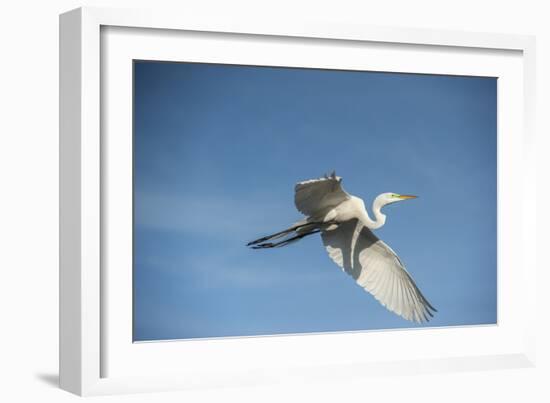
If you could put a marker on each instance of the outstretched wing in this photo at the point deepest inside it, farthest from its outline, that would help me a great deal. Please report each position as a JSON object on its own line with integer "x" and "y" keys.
{"x": 376, "y": 268}
{"x": 315, "y": 195}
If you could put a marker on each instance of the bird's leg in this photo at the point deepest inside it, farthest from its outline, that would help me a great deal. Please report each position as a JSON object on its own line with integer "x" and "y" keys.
{"x": 286, "y": 241}
{"x": 272, "y": 236}
{"x": 282, "y": 233}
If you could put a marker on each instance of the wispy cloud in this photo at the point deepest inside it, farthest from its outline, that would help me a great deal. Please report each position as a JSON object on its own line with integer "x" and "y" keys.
{"x": 217, "y": 216}
{"x": 232, "y": 271}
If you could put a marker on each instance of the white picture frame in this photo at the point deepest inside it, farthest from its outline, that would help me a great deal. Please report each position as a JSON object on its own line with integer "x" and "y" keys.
{"x": 96, "y": 354}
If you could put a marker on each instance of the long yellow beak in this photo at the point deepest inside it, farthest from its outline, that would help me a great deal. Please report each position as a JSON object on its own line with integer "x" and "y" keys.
{"x": 405, "y": 197}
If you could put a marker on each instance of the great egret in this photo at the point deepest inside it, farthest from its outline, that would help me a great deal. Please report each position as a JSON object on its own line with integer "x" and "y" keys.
{"x": 345, "y": 228}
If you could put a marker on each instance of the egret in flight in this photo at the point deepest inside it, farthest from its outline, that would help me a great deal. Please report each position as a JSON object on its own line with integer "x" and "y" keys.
{"x": 345, "y": 228}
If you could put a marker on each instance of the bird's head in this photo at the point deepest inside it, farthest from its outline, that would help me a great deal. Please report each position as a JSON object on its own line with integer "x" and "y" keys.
{"x": 389, "y": 198}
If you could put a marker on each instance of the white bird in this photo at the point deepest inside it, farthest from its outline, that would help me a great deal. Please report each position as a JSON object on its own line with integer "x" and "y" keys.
{"x": 345, "y": 228}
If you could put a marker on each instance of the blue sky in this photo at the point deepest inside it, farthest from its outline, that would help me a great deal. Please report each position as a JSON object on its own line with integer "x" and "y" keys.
{"x": 217, "y": 151}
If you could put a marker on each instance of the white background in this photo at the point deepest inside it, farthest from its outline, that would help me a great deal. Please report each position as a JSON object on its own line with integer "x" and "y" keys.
{"x": 28, "y": 220}
{"x": 226, "y": 356}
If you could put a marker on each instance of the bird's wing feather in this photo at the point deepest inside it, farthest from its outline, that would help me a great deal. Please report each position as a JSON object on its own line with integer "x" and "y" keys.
{"x": 376, "y": 268}
{"x": 316, "y": 195}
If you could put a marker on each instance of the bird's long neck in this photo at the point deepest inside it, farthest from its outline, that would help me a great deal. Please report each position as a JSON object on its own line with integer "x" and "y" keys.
{"x": 380, "y": 218}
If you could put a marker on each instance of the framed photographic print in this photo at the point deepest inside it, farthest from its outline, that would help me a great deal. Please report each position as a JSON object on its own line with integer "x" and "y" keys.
{"x": 244, "y": 202}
